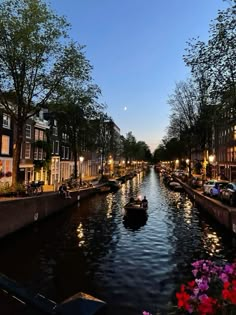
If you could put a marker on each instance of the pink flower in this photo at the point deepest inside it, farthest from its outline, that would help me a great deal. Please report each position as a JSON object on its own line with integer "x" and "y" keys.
{"x": 224, "y": 277}
{"x": 202, "y": 284}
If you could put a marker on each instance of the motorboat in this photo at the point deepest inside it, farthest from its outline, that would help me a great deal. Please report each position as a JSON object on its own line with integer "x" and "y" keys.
{"x": 136, "y": 206}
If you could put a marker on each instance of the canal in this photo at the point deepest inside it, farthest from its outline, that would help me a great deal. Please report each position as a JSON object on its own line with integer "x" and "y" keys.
{"x": 133, "y": 266}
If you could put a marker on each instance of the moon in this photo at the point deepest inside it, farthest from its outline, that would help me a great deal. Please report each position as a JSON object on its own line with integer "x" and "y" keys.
{"x": 125, "y": 108}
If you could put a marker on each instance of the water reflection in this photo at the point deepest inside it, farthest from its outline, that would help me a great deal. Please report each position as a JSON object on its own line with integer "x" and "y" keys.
{"x": 131, "y": 265}
{"x": 80, "y": 235}
{"x": 134, "y": 223}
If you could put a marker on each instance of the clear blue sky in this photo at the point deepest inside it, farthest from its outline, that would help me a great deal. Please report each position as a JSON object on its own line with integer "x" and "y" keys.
{"x": 136, "y": 49}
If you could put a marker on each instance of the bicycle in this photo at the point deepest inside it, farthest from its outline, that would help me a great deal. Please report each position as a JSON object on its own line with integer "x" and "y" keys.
{"x": 34, "y": 189}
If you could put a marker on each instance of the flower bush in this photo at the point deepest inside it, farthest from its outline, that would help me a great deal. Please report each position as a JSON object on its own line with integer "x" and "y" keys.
{"x": 212, "y": 292}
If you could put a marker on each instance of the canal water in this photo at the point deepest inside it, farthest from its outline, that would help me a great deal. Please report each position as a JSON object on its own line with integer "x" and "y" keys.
{"x": 132, "y": 265}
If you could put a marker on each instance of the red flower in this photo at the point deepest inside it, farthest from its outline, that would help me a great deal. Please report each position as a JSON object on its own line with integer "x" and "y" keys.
{"x": 207, "y": 306}
{"x": 191, "y": 284}
{"x": 183, "y": 298}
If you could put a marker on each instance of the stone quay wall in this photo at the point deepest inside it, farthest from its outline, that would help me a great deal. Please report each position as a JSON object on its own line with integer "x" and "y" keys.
{"x": 17, "y": 213}
{"x": 224, "y": 214}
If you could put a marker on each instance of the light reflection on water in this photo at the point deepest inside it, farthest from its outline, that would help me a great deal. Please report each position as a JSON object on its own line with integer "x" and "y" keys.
{"x": 132, "y": 265}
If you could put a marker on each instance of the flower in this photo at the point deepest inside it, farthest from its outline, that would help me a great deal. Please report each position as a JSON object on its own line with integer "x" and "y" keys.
{"x": 213, "y": 290}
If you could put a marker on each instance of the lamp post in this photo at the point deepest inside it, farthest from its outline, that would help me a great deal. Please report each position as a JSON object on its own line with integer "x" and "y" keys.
{"x": 110, "y": 163}
{"x": 81, "y": 159}
{"x": 212, "y": 162}
{"x": 177, "y": 164}
{"x": 188, "y": 167}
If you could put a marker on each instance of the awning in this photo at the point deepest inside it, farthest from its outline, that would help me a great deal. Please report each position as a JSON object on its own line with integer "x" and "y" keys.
{"x": 26, "y": 165}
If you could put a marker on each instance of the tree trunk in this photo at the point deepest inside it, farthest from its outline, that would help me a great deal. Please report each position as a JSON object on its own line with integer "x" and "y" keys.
{"x": 75, "y": 163}
{"x": 17, "y": 142}
{"x": 102, "y": 171}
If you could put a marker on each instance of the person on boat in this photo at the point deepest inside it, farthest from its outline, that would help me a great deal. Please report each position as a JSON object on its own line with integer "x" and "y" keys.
{"x": 144, "y": 202}
{"x": 63, "y": 191}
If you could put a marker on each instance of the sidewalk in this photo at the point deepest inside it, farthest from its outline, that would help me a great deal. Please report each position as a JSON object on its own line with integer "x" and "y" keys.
{"x": 50, "y": 188}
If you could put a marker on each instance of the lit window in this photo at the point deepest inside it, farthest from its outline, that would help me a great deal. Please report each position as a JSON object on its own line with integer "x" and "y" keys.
{"x": 41, "y": 135}
{"x": 36, "y": 134}
{"x": 6, "y": 121}
{"x": 5, "y": 144}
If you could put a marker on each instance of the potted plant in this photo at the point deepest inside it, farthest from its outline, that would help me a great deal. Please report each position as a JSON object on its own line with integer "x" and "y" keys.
{"x": 8, "y": 174}
{"x": 212, "y": 291}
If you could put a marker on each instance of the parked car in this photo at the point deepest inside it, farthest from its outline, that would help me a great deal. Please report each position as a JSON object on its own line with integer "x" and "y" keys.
{"x": 211, "y": 187}
{"x": 196, "y": 182}
{"x": 228, "y": 194}
{"x": 207, "y": 186}
{"x": 217, "y": 188}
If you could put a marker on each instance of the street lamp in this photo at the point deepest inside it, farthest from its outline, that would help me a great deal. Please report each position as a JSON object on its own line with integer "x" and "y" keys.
{"x": 211, "y": 158}
{"x": 81, "y": 159}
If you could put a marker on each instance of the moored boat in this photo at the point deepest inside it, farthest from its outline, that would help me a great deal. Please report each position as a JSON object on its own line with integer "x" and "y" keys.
{"x": 114, "y": 184}
{"x": 104, "y": 189}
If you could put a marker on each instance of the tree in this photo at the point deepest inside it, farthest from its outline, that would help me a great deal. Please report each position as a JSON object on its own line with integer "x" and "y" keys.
{"x": 143, "y": 152}
{"x": 215, "y": 60}
{"x": 129, "y": 147}
{"x": 184, "y": 107}
{"x": 35, "y": 57}
{"x": 75, "y": 108}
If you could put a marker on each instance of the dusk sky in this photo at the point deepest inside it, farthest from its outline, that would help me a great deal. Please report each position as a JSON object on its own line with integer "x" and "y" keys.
{"x": 136, "y": 49}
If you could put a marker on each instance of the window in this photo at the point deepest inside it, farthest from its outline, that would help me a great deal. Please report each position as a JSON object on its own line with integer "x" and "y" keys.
{"x": 54, "y": 131}
{"x": 67, "y": 153}
{"x": 65, "y": 137}
{"x": 36, "y": 134}
{"x": 5, "y": 144}
{"x": 8, "y": 166}
{"x": 39, "y": 134}
{"x": 63, "y": 152}
{"x": 56, "y": 147}
{"x": 38, "y": 154}
{"x": 28, "y": 131}
{"x": 27, "y": 150}
{"x": 6, "y": 121}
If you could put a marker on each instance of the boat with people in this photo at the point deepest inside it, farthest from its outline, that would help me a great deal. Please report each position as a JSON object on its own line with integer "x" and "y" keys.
{"x": 136, "y": 206}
